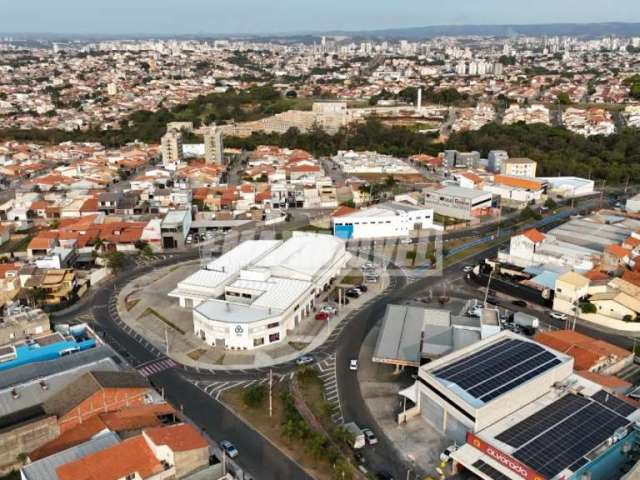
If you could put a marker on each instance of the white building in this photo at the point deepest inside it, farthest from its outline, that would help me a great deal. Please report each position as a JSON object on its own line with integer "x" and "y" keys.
{"x": 391, "y": 219}
{"x": 633, "y": 204}
{"x": 568, "y": 187}
{"x": 518, "y": 167}
{"x": 256, "y": 293}
{"x": 458, "y": 403}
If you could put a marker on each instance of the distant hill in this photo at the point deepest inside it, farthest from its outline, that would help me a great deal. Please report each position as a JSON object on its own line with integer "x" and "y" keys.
{"x": 568, "y": 29}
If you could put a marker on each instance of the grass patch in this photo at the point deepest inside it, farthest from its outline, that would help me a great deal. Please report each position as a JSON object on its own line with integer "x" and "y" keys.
{"x": 162, "y": 318}
{"x": 353, "y": 278}
{"x": 314, "y": 229}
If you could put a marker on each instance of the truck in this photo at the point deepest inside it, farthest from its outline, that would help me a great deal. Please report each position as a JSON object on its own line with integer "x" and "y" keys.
{"x": 528, "y": 323}
{"x": 357, "y": 435}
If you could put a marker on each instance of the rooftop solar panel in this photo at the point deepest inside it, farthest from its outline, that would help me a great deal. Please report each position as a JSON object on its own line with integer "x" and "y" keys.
{"x": 498, "y": 368}
{"x": 614, "y": 403}
{"x": 562, "y": 445}
{"x": 489, "y": 470}
{"x": 542, "y": 420}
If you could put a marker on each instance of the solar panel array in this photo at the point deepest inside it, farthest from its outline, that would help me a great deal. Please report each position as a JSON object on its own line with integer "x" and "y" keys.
{"x": 615, "y": 404}
{"x": 489, "y": 470}
{"x": 561, "y": 434}
{"x": 498, "y": 368}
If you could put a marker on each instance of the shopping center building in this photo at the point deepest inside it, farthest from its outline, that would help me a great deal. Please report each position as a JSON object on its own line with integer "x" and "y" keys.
{"x": 255, "y": 294}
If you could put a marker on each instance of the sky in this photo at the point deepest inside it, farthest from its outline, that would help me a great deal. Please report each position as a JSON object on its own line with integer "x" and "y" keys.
{"x": 121, "y": 17}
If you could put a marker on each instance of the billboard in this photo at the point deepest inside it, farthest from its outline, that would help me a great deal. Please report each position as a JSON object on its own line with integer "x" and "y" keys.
{"x": 503, "y": 459}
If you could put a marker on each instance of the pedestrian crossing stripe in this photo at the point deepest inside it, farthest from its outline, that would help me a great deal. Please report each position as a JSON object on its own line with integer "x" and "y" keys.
{"x": 156, "y": 367}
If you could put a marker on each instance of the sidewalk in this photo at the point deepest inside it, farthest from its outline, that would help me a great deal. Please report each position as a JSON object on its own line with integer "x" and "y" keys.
{"x": 144, "y": 306}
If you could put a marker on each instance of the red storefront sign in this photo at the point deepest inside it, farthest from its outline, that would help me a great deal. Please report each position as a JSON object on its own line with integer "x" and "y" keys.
{"x": 503, "y": 459}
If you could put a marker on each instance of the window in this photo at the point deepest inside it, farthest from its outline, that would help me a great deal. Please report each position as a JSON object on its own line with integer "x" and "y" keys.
{"x": 273, "y": 325}
{"x": 274, "y": 337}
{"x": 258, "y": 341}
{"x": 131, "y": 476}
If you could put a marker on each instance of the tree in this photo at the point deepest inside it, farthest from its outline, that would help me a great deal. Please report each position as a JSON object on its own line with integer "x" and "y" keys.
{"x": 588, "y": 307}
{"x": 254, "y": 396}
{"x": 116, "y": 261}
{"x": 36, "y": 295}
{"x": 564, "y": 99}
{"x": 551, "y": 204}
{"x": 144, "y": 248}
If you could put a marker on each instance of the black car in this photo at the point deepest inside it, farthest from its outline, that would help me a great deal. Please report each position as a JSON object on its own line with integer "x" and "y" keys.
{"x": 353, "y": 293}
{"x": 520, "y": 303}
{"x": 384, "y": 476}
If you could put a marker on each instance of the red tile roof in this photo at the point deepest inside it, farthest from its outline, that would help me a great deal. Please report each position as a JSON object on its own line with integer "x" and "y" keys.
{"x": 179, "y": 438}
{"x": 130, "y": 456}
{"x": 617, "y": 250}
{"x": 534, "y": 235}
{"x": 342, "y": 211}
{"x": 585, "y": 350}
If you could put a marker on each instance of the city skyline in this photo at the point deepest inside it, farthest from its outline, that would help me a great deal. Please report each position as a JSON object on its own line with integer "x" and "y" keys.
{"x": 286, "y": 16}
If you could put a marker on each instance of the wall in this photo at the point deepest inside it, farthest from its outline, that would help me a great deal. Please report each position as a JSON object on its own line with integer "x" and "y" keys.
{"x": 25, "y": 438}
{"x": 187, "y": 462}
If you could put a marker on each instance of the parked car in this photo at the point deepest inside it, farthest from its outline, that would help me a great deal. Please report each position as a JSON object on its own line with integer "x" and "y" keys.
{"x": 353, "y": 364}
{"x": 520, "y": 303}
{"x": 382, "y": 475}
{"x": 322, "y": 316}
{"x": 304, "y": 360}
{"x": 468, "y": 269}
{"x": 362, "y": 288}
{"x": 229, "y": 449}
{"x": 330, "y": 309}
{"x": 353, "y": 293}
{"x": 368, "y": 266}
{"x": 369, "y": 436}
{"x": 558, "y": 315}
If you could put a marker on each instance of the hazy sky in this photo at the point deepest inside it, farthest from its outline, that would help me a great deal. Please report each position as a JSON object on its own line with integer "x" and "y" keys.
{"x": 268, "y": 16}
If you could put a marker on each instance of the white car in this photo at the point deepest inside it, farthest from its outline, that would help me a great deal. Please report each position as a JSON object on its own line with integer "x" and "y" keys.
{"x": 468, "y": 269}
{"x": 558, "y": 316}
{"x": 446, "y": 455}
{"x": 353, "y": 365}
{"x": 330, "y": 309}
{"x": 229, "y": 449}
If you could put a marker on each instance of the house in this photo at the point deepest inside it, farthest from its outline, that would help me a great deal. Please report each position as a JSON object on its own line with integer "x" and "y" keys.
{"x": 570, "y": 288}
{"x": 589, "y": 354}
{"x": 158, "y": 453}
{"x": 94, "y": 393}
{"x": 40, "y": 246}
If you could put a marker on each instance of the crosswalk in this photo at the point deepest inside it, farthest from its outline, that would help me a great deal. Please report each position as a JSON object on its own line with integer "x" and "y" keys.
{"x": 215, "y": 389}
{"x": 329, "y": 379}
{"x": 155, "y": 366}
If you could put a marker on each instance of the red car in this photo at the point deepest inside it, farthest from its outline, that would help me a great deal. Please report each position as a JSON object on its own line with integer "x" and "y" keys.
{"x": 322, "y": 316}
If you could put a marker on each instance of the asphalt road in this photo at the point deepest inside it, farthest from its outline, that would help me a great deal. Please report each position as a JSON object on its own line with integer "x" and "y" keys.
{"x": 259, "y": 457}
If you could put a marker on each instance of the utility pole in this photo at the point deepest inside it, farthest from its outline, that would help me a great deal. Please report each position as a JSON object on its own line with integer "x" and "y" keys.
{"x": 270, "y": 392}
{"x": 486, "y": 293}
{"x": 166, "y": 339}
{"x": 626, "y": 185}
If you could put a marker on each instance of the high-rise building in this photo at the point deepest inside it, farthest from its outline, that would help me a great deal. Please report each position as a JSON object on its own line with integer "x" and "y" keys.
{"x": 171, "y": 148}
{"x": 213, "y": 146}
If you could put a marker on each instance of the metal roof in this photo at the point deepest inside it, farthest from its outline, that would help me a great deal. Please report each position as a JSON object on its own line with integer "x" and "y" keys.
{"x": 32, "y": 392}
{"x": 25, "y": 373}
{"x": 400, "y": 337}
{"x": 45, "y": 469}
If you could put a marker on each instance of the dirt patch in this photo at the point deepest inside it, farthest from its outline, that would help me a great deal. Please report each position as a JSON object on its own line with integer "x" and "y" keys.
{"x": 196, "y": 354}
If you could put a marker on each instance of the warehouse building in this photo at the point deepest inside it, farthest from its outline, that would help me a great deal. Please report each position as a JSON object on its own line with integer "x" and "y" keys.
{"x": 519, "y": 412}
{"x": 257, "y": 292}
{"x": 458, "y": 202}
{"x": 386, "y": 220}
